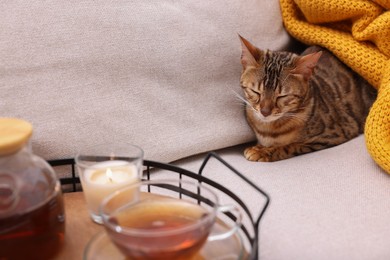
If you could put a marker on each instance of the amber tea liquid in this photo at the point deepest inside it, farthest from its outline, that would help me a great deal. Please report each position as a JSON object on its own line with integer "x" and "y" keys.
{"x": 37, "y": 234}
{"x": 162, "y": 216}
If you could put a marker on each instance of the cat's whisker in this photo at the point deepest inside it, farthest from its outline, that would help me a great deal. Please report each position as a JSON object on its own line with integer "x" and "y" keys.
{"x": 238, "y": 96}
{"x": 242, "y": 100}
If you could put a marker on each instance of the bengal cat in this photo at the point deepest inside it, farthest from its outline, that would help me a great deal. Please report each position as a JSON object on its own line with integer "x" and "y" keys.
{"x": 300, "y": 104}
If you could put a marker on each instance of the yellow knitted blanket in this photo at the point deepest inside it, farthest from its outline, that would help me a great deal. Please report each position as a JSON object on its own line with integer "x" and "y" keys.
{"x": 358, "y": 33}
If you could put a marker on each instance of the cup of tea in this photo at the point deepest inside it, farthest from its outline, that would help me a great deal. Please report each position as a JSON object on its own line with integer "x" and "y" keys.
{"x": 164, "y": 219}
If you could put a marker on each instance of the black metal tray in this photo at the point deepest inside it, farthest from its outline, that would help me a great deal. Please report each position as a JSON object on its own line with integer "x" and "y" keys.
{"x": 250, "y": 227}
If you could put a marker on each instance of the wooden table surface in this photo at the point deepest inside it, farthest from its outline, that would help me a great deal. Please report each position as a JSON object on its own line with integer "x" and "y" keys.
{"x": 79, "y": 227}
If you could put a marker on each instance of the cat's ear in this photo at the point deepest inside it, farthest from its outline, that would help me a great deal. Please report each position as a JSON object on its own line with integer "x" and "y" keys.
{"x": 250, "y": 55}
{"x": 305, "y": 65}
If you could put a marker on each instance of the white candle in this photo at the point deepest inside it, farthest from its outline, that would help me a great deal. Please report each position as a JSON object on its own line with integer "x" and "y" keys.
{"x": 104, "y": 178}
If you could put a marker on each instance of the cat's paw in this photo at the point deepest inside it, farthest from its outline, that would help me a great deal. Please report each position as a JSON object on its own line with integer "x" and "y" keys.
{"x": 258, "y": 154}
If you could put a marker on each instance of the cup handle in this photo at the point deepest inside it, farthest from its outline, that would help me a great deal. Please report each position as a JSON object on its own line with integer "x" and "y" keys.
{"x": 237, "y": 225}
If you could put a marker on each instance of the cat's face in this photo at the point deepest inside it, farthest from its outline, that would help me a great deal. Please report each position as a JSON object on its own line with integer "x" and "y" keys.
{"x": 275, "y": 84}
{"x": 271, "y": 90}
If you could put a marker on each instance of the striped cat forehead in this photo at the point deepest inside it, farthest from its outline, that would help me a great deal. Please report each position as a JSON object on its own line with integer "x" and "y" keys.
{"x": 279, "y": 58}
{"x": 273, "y": 65}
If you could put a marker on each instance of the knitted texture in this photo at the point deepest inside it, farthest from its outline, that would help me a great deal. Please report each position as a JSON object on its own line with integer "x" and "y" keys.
{"x": 358, "y": 33}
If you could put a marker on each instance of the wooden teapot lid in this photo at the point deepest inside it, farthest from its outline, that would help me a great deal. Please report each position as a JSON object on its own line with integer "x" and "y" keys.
{"x": 14, "y": 134}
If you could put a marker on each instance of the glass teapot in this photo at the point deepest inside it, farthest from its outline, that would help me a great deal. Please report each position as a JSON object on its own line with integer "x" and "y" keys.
{"x": 32, "y": 219}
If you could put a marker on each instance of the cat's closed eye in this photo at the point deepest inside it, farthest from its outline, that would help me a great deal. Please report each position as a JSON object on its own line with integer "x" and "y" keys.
{"x": 255, "y": 92}
{"x": 252, "y": 95}
{"x": 286, "y": 100}
{"x": 281, "y": 97}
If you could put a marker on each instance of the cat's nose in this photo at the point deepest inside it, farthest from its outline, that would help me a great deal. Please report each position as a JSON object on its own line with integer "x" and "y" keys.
{"x": 265, "y": 111}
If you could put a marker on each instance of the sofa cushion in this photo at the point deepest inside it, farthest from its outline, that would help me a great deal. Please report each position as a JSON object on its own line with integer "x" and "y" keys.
{"x": 159, "y": 74}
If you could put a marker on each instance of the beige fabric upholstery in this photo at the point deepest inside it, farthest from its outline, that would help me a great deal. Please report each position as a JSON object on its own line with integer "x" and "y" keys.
{"x": 159, "y": 74}
{"x": 327, "y": 205}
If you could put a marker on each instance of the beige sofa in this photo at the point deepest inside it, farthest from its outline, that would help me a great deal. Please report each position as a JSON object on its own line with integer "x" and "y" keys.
{"x": 164, "y": 75}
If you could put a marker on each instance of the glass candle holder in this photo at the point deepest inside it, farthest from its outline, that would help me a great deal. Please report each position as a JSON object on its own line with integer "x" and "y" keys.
{"x": 105, "y": 168}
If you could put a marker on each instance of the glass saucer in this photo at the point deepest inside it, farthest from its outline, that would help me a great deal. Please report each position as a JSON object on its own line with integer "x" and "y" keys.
{"x": 100, "y": 247}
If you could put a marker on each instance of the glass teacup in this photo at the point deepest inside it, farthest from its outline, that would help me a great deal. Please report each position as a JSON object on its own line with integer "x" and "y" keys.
{"x": 165, "y": 219}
